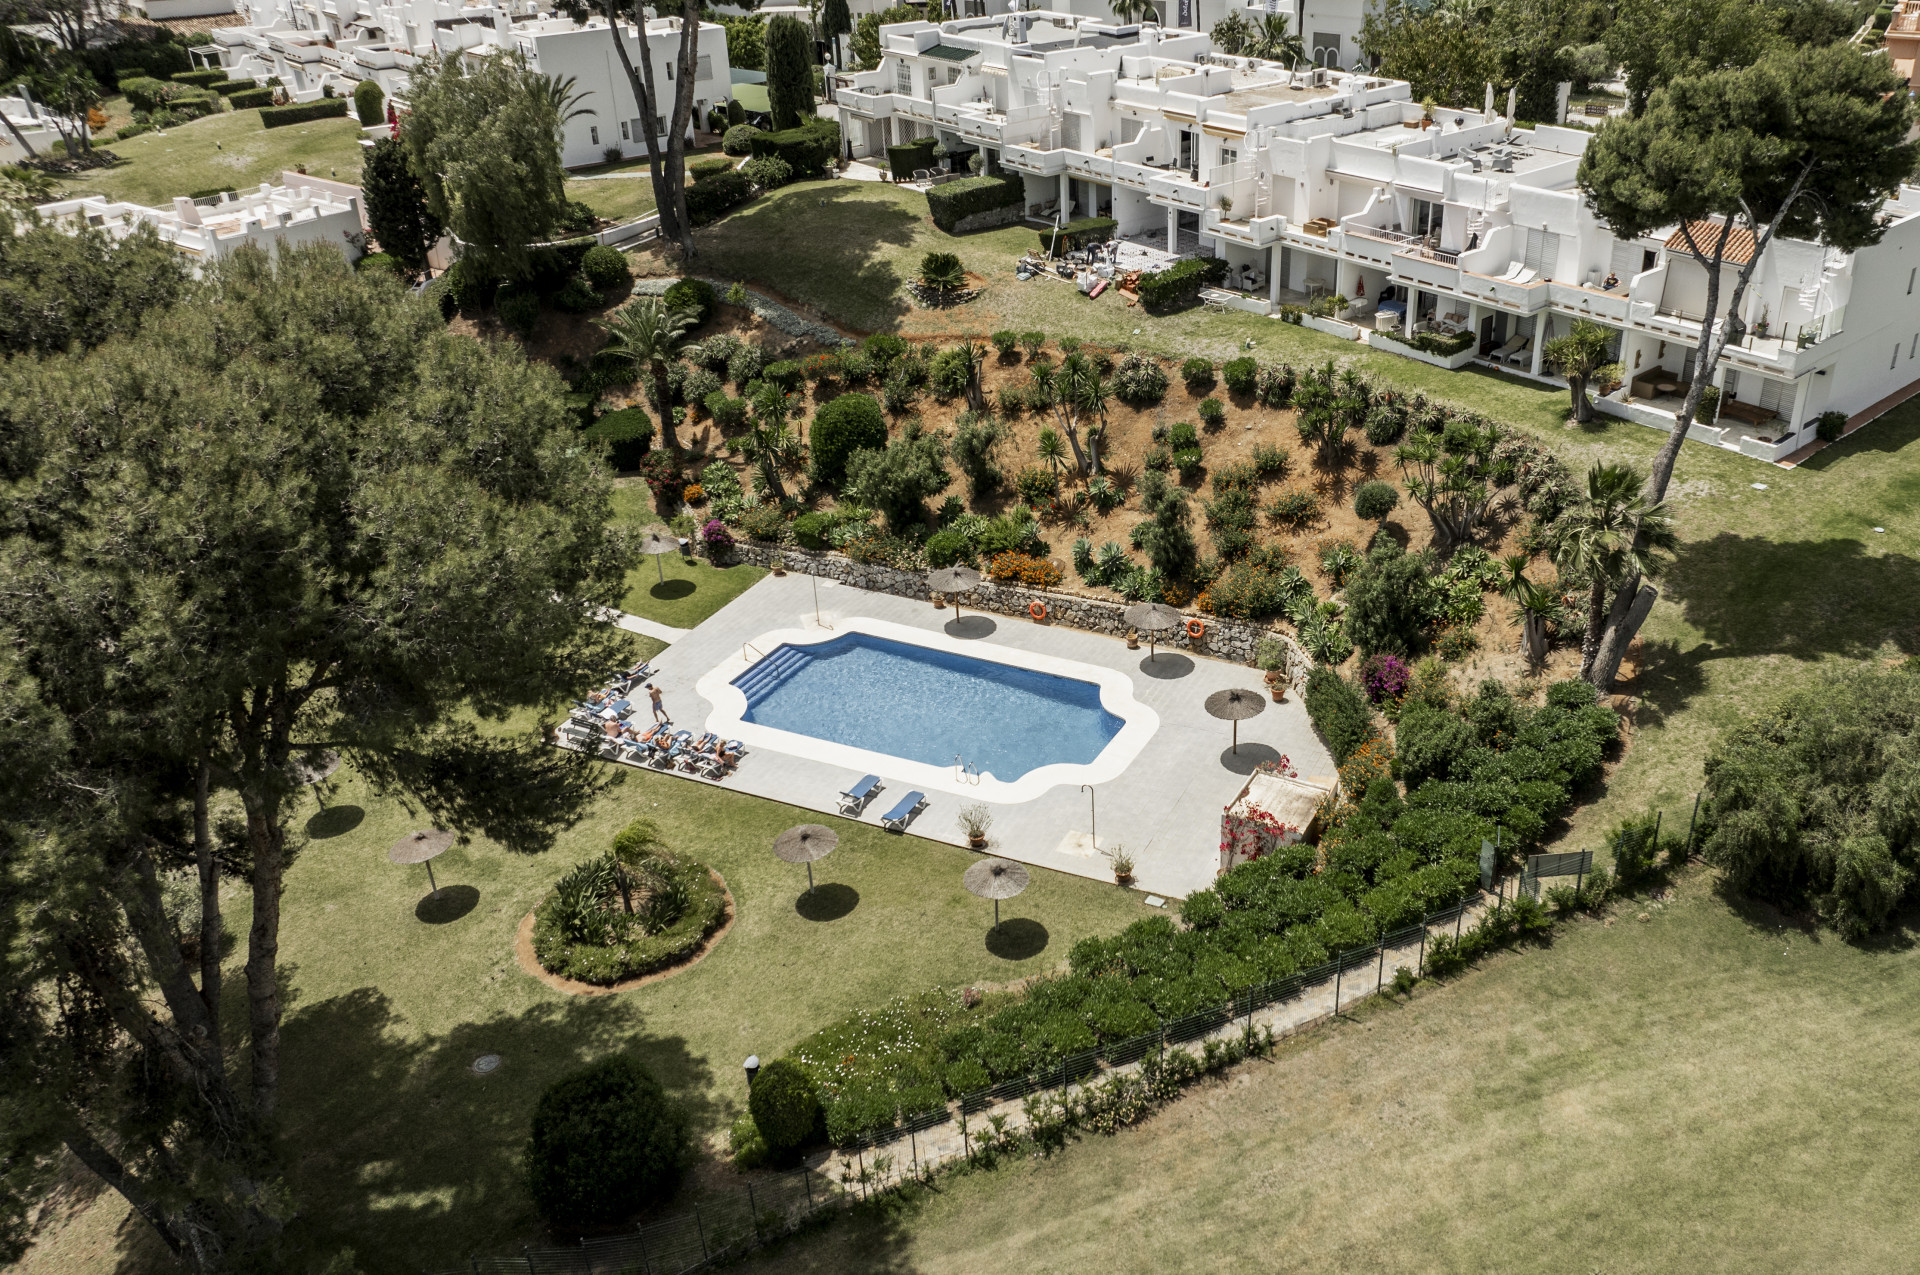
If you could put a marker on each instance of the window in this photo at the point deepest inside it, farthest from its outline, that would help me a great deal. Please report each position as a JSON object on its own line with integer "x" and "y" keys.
{"x": 1228, "y": 156}
{"x": 636, "y": 131}
{"x": 1648, "y": 258}
{"x": 625, "y": 136}
{"x": 1326, "y": 49}
{"x": 903, "y": 79}
{"x": 593, "y": 134}
{"x": 669, "y": 70}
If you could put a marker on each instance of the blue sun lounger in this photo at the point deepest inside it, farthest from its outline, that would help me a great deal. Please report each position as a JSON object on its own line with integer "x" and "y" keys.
{"x": 895, "y": 820}
{"x": 854, "y": 799}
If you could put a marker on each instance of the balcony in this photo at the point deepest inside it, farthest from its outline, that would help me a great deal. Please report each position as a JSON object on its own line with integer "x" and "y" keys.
{"x": 1177, "y": 190}
{"x": 1590, "y": 303}
{"x": 1040, "y": 163}
{"x": 1250, "y": 232}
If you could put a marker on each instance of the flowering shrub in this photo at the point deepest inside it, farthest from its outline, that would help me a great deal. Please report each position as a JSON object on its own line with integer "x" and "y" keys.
{"x": 662, "y": 472}
{"x": 1020, "y": 568}
{"x": 1385, "y": 677}
{"x": 1372, "y": 760}
{"x": 716, "y": 537}
{"x": 693, "y": 493}
{"x": 821, "y": 367}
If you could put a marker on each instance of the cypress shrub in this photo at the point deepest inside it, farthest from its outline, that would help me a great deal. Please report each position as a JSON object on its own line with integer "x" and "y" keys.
{"x": 785, "y": 1105}
{"x": 1338, "y": 711}
{"x": 369, "y": 102}
{"x": 606, "y": 1142}
{"x": 628, "y": 434}
{"x": 841, "y": 428}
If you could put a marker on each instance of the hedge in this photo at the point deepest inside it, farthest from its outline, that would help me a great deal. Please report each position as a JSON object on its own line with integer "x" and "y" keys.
{"x": 324, "y": 109}
{"x": 902, "y": 160}
{"x": 714, "y": 197}
{"x": 628, "y": 434}
{"x": 1180, "y": 283}
{"x": 954, "y": 202}
{"x": 1441, "y": 345}
{"x": 227, "y": 88}
{"x": 1078, "y": 233}
{"x": 808, "y": 150}
{"x": 200, "y": 79}
{"x": 840, "y": 429}
{"x": 708, "y": 166}
{"x": 251, "y": 98}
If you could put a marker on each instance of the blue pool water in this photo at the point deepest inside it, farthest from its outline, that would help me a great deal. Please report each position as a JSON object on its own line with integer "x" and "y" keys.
{"x": 925, "y": 705}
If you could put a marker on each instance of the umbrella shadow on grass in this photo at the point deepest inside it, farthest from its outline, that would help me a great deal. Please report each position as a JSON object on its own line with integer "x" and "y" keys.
{"x": 670, "y": 590}
{"x": 450, "y": 904}
{"x": 334, "y": 821}
{"x": 827, "y": 902}
{"x": 1017, "y": 938}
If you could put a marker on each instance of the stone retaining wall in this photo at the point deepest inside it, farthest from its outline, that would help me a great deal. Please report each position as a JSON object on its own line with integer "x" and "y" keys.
{"x": 1232, "y": 640}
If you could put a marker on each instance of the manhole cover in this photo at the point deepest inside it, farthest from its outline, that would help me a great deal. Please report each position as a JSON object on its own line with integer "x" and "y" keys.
{"x": 486, "y": 1064}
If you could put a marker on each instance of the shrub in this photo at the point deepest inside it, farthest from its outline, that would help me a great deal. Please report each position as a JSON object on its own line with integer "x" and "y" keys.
{"x": 1180, "y": 283}
{"x": 840, "y": 428}
{"x": 605, "y": 268}
{"x": 1198, "y": 374}
{"x": 768, "y": 172}
{"x": 576, "y": 296}
{"x": 1031, "y": 342}
{"x": 953, "y": 202}
{"x": 200, "y": 79}
{"x": 738, "y": 140}
{"x": 1213, "y": 413}
{"x": 377, "y": 263}
{"x": 518, "y": 310}
{"x": 1241, "y": 375}
{"x": 606, "y": 1143}
{"x": 976, "y": 437}
{"x": 785, "y": 1105}
{"x": 1375, "y": 500}
{"x": 1385, "y": 425}
{"x": 469, "y": 288}
{"x": 691, "y": 294}
{"x": 1036, "y": 484}
{"x": 706, "y": 166}
{"x": 910, "y": 157}
{"x": 810, "y": 530}
{"x": 1005, "y": 342}
{"x": 369, "y": 102}
{"x": 1829, "y": 426}
{"x": 1385, "y": 678}
{"x": 944, "y": 548}
{"x": 1270, "y": 462}
{"x": 1388, "y": 600}
{"x": 728, "y": 413}
{"x": 247, "y": 99}
{"x": 281, "y": 116}
{"x": 1020, "y": 568}
{"x": 1295, "y": 509}
{"x": 628, "y": 434}
{"x": 1076, "y": 234}
{"x": 807, "y": 150}
{"x": 713, "y": 198}
{"x": 744, "y": 364}
{"x": 1139, "y": 381}
{"x": 144, "y": 93}
{"x": 1339, "y": 712}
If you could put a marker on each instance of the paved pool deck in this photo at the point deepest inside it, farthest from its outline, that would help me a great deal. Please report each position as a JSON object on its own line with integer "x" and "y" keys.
{"x": 1164, "y": 806}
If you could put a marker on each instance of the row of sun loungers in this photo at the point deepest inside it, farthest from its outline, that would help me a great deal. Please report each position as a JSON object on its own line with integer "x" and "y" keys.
{"x": 855, "y": 799}
{"x": 602, "y": 722}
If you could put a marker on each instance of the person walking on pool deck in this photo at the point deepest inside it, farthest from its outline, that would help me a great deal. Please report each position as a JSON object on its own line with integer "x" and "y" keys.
{"x": 659, "y": 712}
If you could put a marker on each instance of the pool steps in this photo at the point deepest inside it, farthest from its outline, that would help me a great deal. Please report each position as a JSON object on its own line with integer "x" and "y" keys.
{"x": 766, "y": 674}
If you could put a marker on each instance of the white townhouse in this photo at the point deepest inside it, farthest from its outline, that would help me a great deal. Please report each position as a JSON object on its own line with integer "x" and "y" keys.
{"x": 313, "y": 45}
{"x": 1317, "y": 182}
{"x": 305, "y": 211}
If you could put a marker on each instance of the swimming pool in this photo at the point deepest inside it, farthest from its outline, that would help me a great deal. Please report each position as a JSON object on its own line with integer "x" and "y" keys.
{"x": 927, "y": 705}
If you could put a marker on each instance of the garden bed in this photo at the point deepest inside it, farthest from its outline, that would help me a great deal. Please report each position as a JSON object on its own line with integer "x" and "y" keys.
{"x": 633, "y": 912}
{"x": 523, "y": 952}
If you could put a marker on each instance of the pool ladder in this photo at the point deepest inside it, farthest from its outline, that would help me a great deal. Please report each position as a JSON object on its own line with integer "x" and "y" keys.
{"x": 965, "y": 771}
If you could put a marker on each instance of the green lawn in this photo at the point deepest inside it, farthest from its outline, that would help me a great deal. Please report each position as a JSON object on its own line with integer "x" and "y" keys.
{"x": 231, "y": 149}
{"x": 1701, "y": 1091}
{"x": 621, "y": 199}
{"x": 670, "y": 588}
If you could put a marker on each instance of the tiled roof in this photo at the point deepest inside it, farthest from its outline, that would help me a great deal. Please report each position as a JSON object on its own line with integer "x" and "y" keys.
{"x": 1739, "y": 249}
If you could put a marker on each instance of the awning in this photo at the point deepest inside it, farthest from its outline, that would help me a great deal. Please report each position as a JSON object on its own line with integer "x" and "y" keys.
{"x": 950, "y": 53}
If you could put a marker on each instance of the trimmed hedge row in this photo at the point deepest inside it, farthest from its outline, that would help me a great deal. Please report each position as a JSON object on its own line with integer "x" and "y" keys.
{"x": 715, "y": 196}
{"x": 808, "y": 150}
{"x": 250, "y": 98}
{"x": 1180, "y": 283}
{"x": 1077, "y": 233}
{"x": 200, "y": 79}
{"x": 952, "y": 203}
{"x": 904, "y": 159}
{"x": 281, "y": 116}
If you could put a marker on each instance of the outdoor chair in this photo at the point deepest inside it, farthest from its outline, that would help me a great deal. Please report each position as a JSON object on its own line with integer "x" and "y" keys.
{"x": 691, "y": 756}
{"x": 724, "y": 757}
{"x": 667, "y": 751}
{"x": 896, "y": 820}
{"x": 1520, "y": 352}
{"x": 854, "y": 799}
{"x": 1515, "y": 342}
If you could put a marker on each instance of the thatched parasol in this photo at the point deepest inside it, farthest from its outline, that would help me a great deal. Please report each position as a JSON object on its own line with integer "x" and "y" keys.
{"x": 657, "y": 542}
{"x": 314, "y": 766}
{"x": 1233, "y": 706}
{"x": 1154, "y": 617}
{"x": 421, "y": 847}
{"x": 954, "y": 580}
{"x": 995, "y": 879}
{"x": 803, "y": 844}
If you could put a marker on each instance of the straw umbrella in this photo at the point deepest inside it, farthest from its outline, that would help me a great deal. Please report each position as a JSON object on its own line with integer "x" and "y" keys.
{"x": 1154, "y": 617}
{"x": 422, "y": 847}
{"x": 658, "y": 542}
{"x": 1235, "y": 705}
{"x": 803, "y": 844}
{"x": 995, "y": 879}
{"x": 954, "y": 580}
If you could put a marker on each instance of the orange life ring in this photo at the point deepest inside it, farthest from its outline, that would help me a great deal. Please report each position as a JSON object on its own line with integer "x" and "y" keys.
{"x": 1038, "y": 610}
{"x": 1196, "y": 629}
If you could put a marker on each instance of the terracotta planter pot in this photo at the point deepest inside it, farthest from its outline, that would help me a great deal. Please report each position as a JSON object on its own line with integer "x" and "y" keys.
{"x": 939, "y": 603}
{"x": 1123, "y": 878}
{"x": 977, "y": 841}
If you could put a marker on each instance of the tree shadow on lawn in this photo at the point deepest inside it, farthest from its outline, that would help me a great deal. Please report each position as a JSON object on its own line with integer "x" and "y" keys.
{"x": 1889, "y": 434}
{"x": 396, "y": 1148}
{"x": 823, "y": 246}
{"x": 1808, "y": 599}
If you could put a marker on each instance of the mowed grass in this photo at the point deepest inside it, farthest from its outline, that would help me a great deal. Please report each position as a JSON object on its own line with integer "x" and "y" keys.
{"x": 1701, "y": 1091}
{"x": 395, "y": 1148}
{"x": 620, "y": 199}
{"x": 228, "y": 150}
{"x": 670, "y": 588}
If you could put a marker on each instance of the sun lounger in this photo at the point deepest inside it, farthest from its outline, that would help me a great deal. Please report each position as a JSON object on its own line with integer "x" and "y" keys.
{"x": 723, "y": 758}
{"x": 895, "y": 820}
{"x": 691, "y": 758}
{"x": 854, "y": 799}
{"x": 1515, "y": 342}
{"x": 1520, "y": 353}
{"x": 667, "y": 751}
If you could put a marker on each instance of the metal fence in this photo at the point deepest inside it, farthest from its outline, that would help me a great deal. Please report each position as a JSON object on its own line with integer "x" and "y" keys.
{"x": 725, "y": 1225}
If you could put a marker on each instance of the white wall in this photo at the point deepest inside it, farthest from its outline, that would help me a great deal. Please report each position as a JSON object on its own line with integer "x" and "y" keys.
{"x": 588, "y": 55}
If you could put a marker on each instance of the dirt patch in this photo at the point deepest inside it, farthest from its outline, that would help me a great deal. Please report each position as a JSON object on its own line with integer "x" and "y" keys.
{"x": 529, "y": 963}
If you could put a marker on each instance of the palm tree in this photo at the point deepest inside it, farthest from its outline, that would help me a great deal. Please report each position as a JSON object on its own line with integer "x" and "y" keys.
{"x": 1535, "y": 607}
{"x": 1276, "y": 41}
{"x": 975, "y": 351}
{"x": 646, "y": 334}
{"x": 633, "y": 855}
{"x": 1052, "y": 450}
{"x": 1132, "y": 10}
{"x": 565, "y": 99}
{"x": 770, "y": 441}
{"x": 1610, "y": 538}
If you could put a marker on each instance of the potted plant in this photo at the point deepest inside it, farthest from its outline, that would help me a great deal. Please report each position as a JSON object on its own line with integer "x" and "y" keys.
{"x": 1133, "y": 639}
{"x": 1122, "y": 862}
{"x": 1226, "y": 205}
{"x": 974, "y": 821}
{"x": 1271, "y": 656}
{"x": 777, "y": 565}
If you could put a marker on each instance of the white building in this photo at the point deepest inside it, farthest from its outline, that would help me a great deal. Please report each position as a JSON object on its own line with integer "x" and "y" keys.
{"x": 1319, "y": 183}
{"x": 210, "y": 229}
{"x": 312, "y": 45}
{"x": 32, "y": 122}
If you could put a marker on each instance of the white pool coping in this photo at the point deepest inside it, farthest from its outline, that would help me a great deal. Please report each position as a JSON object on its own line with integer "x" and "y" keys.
{"x": 728, "y": 719}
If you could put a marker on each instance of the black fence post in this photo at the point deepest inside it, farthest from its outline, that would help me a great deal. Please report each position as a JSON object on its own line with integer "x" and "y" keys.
{"x": 1421, "y": 963}
{"x": 806, "y": 1180}
{"x": 646, "y": 1262}
{"x": 702, "y": 1226}
{"x": 1380, "y": 975}
{"x": 1691, "y": 820}
{"x": 1339, "y": 968}
{"x": 753, "y": 1206}
{"x": 1459, "y": 915}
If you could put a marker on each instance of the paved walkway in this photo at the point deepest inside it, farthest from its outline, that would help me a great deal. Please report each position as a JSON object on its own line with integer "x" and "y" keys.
{"x": 650, "y": 628}
{"x": 1314, "y": 1005}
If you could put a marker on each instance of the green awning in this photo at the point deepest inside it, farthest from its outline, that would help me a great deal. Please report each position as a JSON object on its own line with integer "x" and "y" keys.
{"x": 951, "y": 53}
